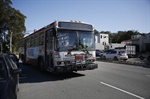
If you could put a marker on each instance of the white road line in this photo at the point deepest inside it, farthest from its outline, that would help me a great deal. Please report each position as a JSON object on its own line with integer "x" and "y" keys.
{"x": 147, "y": 75}
{"x": 122, "y": 90}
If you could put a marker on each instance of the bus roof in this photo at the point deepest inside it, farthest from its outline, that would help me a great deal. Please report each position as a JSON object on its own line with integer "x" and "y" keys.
{"x": 65, "y": 25}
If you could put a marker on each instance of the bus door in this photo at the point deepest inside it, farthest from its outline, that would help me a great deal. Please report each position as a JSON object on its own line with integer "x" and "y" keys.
{"x": 49, "y": 49}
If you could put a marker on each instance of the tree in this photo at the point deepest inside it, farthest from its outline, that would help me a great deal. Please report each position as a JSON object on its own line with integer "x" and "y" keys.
{"x": 11, "y": 21}
{"x": 95, "y": 31}
{"x": 120, "y": 35}
{"x": 126, "y": 35}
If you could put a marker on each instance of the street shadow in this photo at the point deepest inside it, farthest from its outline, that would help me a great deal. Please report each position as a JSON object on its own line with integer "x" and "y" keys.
{"x": 31, "y": 74}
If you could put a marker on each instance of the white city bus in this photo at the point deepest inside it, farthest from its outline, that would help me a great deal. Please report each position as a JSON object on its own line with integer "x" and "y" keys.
{"x": 61, "y": 46}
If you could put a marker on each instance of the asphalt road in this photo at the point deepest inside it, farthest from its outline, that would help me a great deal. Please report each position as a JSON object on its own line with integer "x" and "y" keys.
{"x": 109, "y": 81}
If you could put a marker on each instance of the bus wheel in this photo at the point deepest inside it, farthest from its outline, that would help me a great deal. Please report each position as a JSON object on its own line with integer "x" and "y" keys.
{"x": 42, "y": 67}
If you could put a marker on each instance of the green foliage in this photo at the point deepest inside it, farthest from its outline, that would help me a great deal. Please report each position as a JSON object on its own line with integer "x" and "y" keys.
{"x": 11, "y": 21}
{"x": 121, "y": 35}
{"x": 96, "y": 32}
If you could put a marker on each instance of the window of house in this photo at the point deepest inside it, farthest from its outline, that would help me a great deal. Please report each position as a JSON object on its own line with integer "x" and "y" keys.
{"x": 104, "y": 43}
{"x": 101, "y": 36}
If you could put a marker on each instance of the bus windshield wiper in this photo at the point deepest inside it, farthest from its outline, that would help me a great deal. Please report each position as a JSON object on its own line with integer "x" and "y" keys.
{"x": 84, "y": 48}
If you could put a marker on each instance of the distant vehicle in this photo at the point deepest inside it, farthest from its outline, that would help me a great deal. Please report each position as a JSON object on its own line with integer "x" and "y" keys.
{"x": 130, "y": 49}
{"x": 9, "y": 77}
{"x": 14, "y": 58}
{"x": 98, "y": 53}
{"x": 61, "y": 46}
{"x": 115, "y": 54}
{"x": 144, "y": 56}
{"x": 106, "y": 51}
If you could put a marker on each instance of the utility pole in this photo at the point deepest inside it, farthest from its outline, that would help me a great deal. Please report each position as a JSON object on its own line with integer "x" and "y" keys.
{"x": 10, "y": 43}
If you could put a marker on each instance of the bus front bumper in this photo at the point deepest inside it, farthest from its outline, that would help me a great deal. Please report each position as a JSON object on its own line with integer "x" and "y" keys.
{"x": 80, "y": 67}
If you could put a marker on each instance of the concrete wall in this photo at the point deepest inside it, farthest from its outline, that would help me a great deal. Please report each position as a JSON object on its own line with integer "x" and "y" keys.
{"x": 142, "y": 41}
{"x": 102, "y": 38}
{"x": 114, "y": 45}
{"x": 101, "y": 41}
{"x": 99, "y": 46}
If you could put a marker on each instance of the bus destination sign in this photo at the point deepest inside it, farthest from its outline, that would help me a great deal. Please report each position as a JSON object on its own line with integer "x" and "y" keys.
{"x": 72, "y": 25}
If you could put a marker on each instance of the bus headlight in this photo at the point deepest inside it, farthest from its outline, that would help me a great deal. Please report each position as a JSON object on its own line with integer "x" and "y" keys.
{"x": 63, "y": 62}
{"x": 60, "y": 63}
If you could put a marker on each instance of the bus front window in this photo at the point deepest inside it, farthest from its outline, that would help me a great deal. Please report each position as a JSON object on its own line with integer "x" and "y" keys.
{"x": 87, "y": 40}
{"x": 65, "y": 39}
{"x": 79, "y": 40}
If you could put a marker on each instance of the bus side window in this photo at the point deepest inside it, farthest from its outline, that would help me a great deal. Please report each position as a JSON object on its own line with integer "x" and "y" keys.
{"x": 49, "y": 38}
{"x": 41, "y": 39}
{"x": 31, "y": 40}
{"x": 35, "y": 40}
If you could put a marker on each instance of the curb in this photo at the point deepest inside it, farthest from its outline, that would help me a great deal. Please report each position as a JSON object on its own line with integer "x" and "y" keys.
{"x": 144, "y": 64}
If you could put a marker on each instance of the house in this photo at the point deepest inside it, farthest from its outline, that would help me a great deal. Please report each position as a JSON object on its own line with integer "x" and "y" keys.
{"x": 135, "y": 39}
{"x": 142, "y": 41}
{"x": 101, "y": 41}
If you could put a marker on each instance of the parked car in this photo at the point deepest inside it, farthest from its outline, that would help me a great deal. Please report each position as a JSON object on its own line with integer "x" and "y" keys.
{"x": 9, "y": 77}
{"x": 14, "y": 58}
{"x": 98, "y": 53}
{"x": 144, "y": 56}
{"x": 115, "y": 54}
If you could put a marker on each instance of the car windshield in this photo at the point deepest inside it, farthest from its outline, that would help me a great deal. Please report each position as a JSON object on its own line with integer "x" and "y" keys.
{"x": 79, "y": 40}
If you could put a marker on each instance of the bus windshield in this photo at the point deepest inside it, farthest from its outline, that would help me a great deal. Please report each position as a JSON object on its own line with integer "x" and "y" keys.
{"x": 78, "y": 40}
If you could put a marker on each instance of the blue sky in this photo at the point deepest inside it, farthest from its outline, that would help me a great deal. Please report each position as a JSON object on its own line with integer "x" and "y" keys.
{"x": 105, "y": 15}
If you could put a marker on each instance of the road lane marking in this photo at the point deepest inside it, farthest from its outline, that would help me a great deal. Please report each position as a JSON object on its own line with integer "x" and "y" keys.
{"x": 147, "y": 75}
{"x": 122, "y": 90}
